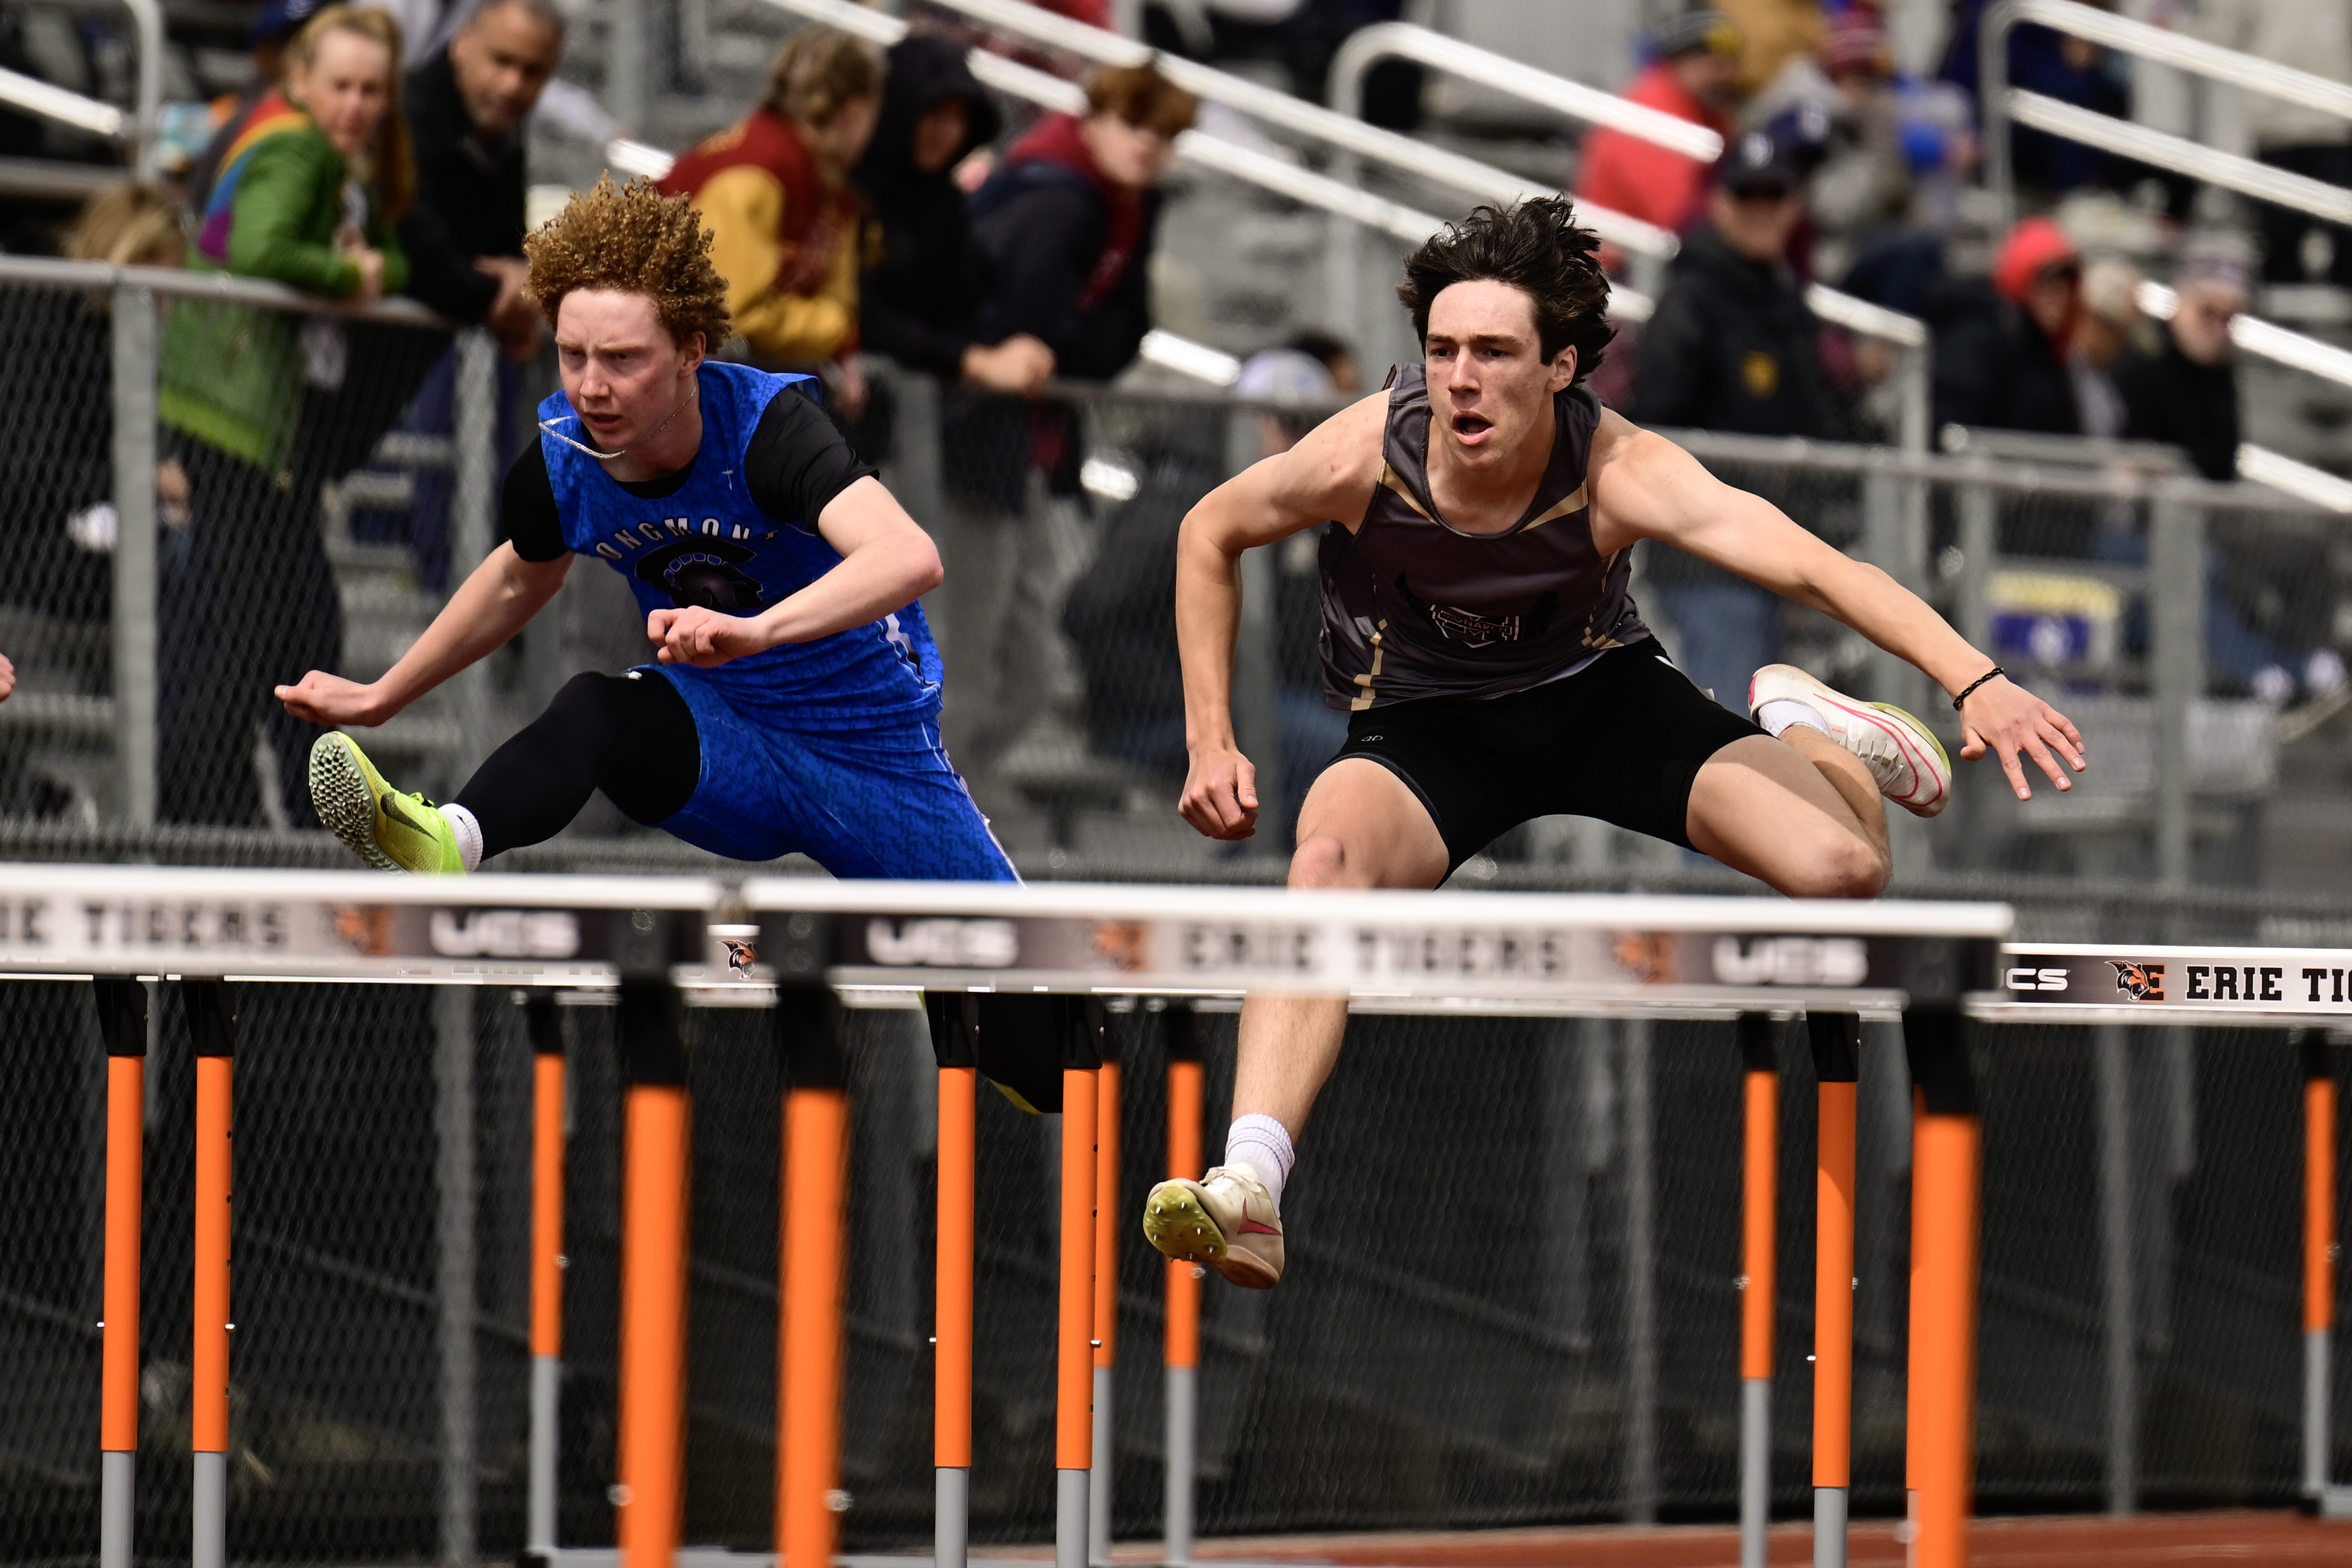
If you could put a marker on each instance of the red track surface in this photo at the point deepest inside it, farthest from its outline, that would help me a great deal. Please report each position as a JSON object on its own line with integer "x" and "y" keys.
{"x": 2087, "y": 1542}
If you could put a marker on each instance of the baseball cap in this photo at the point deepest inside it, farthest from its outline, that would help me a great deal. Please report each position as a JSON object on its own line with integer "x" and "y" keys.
{"x": 1695, "y": 32}
{"x": 281, "y": 19}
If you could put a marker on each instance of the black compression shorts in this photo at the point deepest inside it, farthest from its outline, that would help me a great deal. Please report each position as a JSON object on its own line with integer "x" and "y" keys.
{"x": 1621, "y": 740}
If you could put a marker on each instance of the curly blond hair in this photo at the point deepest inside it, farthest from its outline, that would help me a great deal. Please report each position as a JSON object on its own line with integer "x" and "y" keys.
{"x": 633, "y": 239}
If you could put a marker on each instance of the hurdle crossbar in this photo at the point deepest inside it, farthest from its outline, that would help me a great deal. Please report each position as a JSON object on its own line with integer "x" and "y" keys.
{"x": 695, "y": 941}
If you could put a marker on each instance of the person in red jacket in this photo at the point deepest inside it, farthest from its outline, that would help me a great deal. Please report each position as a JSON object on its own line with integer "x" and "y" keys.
{"x": 774, "y": 191}
{"x": 1692, "y": 78}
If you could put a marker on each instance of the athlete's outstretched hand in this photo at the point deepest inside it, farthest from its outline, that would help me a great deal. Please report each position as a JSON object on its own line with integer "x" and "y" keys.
{"x": 702, "y": 637}
{"x": 1220, "y": 795}
{"x": 2004, "y": 719}
{"x": 331, "y": 700}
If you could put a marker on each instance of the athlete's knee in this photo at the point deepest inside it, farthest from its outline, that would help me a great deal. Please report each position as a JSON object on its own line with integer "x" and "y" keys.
{"x": 1846, "y": 866}
{"x": 1322, "y": 862}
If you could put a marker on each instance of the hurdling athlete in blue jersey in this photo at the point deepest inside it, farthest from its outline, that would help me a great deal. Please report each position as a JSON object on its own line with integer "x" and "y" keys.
{"x": 793, "y": 699}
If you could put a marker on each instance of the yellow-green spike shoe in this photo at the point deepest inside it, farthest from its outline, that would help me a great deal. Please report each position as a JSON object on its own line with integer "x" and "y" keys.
{"x": 390, "y": 831}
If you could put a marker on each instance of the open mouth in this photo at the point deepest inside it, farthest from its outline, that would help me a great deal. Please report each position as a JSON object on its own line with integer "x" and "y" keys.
{"x": 1470, "y": 426}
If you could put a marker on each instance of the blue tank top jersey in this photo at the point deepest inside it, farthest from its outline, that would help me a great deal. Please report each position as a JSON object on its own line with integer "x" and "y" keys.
{"x": 710, "y": 544}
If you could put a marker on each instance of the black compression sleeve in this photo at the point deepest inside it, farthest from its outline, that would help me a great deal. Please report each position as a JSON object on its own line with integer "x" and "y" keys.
{"x": 797, "y": 461}
{"x": 631, "y": 736}
{"x": 527, "y": 513}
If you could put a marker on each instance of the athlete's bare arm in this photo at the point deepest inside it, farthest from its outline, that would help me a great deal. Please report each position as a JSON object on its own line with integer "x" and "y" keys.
{"x": 1329, "y": 475}
{"x": 886, "y": 563}
{"x": 489, "y": 607}
{"x": 1645, "y": 487}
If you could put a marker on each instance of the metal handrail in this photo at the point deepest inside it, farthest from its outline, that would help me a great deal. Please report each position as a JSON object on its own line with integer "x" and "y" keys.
{"x": 2072, "y": 479}
{"x": 2264, "y": 340}
{"x": 2163, "y": 150}
{"x": 34, "y": 96}
{"x": 1338, "y": 132}
{"x": 183, "y": 284}
{"x": 2128, "y": 36}
{"x": 1404, "y": 40}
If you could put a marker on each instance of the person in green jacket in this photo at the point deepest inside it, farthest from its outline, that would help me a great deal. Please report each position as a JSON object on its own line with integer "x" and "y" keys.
{"x": 306, "y": 195}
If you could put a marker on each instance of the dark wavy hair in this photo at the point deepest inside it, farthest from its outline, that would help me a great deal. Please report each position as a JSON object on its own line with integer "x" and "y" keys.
{"x": 1537, "y": 247}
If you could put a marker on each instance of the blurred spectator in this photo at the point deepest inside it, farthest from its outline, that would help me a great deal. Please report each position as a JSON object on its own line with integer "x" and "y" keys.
{"x": 272, "y": 31}
{"x": 1771, "y": 33}
{"x": 1732, "y": 347}
{"x": 1066, "y": 229}
{"x": 2108, "y": 329}
{"x": 773, "y": 190}
{"x": 1299, "y": 37}
{"x": 56, "y": 473}
{"x": 1068, "y": 224}
{"x": 308, "y": 196}
{"x": 2312, "y": 36}
{"x": 2055, "y": 64}
{"x": 2186, "y": 393}
{"x": 1863, "y": 182}
{"x": 919, "y": 295}
{"x": 8, "y": 678}
{"x": 466, "y": 104}
{"x": 1691, "y": 78}
{"x": 1121, "y": 614}
{"x": 2000, "y": 346}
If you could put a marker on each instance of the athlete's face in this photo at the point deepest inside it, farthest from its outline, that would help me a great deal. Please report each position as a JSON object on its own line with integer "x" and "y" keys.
{"x": 621, "y": 370}
{"x": 1490, "y": 388}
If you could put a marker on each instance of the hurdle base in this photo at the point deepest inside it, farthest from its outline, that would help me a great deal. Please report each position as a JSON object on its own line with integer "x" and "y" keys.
{"x": 1755, "y": 1471}
{"x": 1070, "y": 1490}
{"x": 1829, "y": 1527}
{"x": 546, "y": 1385}
{"x": 1099, "y": 1478}
{"x": 950, "y": 1516}
{"x": 2333, "y": 1502}
{"x": 116, "y": 1500}
{"x": 1183, "y": 1410}
{"x": 209, "y": 1541}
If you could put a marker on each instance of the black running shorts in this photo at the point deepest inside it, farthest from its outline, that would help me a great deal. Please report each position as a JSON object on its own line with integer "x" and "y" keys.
{"x": 1621, "y": 740}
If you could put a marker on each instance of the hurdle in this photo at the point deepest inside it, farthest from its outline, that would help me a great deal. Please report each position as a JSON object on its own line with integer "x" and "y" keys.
{"x": 547, "y": 1264}
{"x": 653, "y": 943}
{"x": 1181, "y": 1355}
{"x": 1760, "y": 1218}
{"x": 1498, "y": 954}
{"x": 2295, "y": 988}
{"x": 1836, "y": 1042}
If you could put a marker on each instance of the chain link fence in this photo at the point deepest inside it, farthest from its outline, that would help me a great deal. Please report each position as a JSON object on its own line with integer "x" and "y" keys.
{"x": 1511, "y": 1296}
{"x": 176, "y": 555}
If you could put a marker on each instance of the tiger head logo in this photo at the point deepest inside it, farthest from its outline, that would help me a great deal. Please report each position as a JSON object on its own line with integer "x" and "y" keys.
{"x": 741, "y": 955}
{"x": 2140, "y": 982}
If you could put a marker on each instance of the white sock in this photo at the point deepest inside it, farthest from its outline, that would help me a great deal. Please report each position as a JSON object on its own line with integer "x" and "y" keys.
{"x": 1781, "y": 712}
{"x": 469, "y": 835}
{"x": 1261, "y": 1144}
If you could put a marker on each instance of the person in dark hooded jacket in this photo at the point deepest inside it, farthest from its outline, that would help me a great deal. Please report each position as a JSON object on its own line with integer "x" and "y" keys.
{"x": 1732, "y": 345}
{"x": 920, "y": 297}
{"x": 1065, "y": 232}
{"x": 2001, "y": 343}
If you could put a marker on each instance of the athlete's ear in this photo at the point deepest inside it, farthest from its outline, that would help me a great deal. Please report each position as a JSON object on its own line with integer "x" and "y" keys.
{"x": 691, "y": 353}
{"x": 1563, "y": 370}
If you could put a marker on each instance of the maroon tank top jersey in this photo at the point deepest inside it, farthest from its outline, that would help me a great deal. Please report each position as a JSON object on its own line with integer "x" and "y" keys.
{"x": 1413, "y": 607}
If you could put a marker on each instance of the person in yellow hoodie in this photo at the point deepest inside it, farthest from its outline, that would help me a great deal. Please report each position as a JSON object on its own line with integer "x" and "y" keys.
{"x": 773, "y": 190}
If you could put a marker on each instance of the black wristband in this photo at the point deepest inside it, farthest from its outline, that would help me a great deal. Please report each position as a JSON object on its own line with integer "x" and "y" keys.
{"x": 1972, "y": 685}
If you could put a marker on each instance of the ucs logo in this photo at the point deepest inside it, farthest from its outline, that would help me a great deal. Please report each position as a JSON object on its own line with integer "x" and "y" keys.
{"x": 944, "y": 942}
